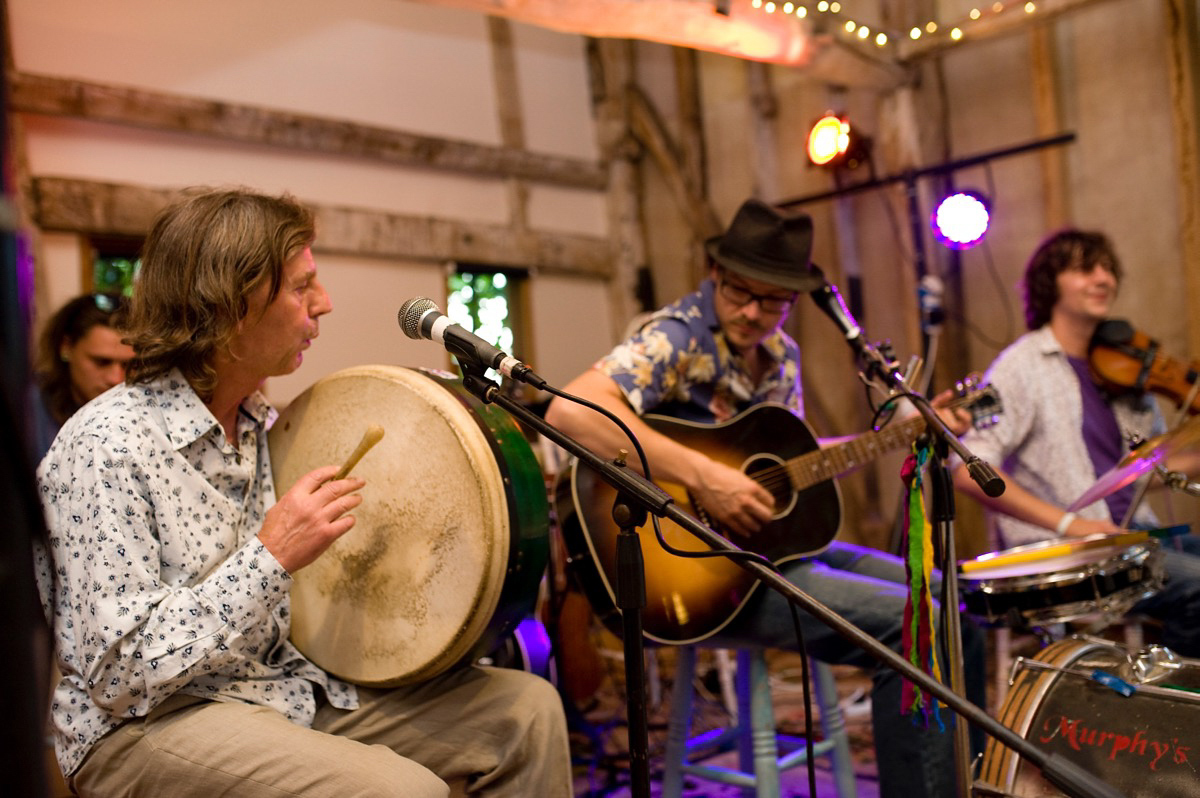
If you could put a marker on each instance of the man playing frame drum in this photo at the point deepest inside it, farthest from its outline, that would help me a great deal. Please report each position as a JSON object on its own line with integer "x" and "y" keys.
{"x": 171, "y": 559}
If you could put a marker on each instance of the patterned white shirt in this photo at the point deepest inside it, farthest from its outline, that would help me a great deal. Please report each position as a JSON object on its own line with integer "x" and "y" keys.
{"x": 1037, "y": 439}
{"x": 160, "y": 583}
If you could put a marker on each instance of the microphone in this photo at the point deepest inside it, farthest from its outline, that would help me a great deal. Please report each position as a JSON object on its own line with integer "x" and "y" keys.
{"x": 930, "y": 292}
{"x": 829, "y": 299}
{"x": 419, "y": 317}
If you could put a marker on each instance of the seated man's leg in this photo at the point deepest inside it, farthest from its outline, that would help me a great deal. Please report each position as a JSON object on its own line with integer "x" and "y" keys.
{"x": 502, "y": 732}
{"x": 868, "y": 589}
{"x": 191, "y": 748}
{"x": 1177, "y": 605}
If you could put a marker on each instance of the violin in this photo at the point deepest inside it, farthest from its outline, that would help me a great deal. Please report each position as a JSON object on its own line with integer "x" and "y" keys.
{"x": 1125, "y": 360}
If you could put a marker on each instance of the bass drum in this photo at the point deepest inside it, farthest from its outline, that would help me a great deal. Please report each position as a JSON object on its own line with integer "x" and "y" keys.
{"x": 450, "y": 542}
{"x": 1144, "y": 745}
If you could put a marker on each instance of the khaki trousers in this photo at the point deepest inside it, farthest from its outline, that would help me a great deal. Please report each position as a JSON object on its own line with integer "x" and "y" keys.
{"x": 488, "y": 731}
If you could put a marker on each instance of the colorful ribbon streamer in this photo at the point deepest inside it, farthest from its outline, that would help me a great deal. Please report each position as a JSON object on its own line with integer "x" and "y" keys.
{"x": 919, "y": 648}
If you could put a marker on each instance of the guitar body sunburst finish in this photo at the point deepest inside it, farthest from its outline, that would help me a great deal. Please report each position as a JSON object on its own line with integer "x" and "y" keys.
{"x": 689, "y": 599}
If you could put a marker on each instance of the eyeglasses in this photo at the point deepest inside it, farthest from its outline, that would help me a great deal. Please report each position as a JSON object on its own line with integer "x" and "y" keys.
{"x": 741, "y": 297}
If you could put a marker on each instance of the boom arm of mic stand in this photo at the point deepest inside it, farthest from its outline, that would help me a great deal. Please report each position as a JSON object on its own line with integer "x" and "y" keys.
{"x": 643, "y": 493}
{"x": 877, "y": 367}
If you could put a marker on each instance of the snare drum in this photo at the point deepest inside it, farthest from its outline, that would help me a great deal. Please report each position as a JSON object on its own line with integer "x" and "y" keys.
{"x": 450, "y": 542}
{"x": 1145, "y": 745}
{"x": 1061, "y": 580}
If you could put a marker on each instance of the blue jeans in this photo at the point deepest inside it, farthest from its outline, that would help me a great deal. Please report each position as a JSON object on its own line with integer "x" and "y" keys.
{"x": 868, "y": 588}
{"x": 1177, "y": 605}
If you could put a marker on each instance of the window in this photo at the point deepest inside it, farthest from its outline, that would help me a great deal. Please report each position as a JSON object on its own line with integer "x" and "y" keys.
{"x": 114, "y": 264}
{"x": 486, "y": 300}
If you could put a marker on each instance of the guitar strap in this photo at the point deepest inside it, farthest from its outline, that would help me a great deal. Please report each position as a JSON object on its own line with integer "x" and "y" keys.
{"x": 918, "y": 609}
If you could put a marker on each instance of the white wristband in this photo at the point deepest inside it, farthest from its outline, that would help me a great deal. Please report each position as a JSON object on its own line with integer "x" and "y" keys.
{"x": 1064, "y": 522}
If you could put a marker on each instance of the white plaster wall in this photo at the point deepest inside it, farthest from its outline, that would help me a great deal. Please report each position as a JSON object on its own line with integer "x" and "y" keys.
{"x": 399, "y": 65}
{"x": 382, "y": 62}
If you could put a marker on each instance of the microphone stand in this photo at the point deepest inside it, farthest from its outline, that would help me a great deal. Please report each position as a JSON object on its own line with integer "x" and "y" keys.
{"x": 640, "y": 493}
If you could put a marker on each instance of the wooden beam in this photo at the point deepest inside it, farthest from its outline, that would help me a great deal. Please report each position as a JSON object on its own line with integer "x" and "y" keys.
{"x": 728, "y": 27}
{"x": 1012, "y": 19}
{"x": 41, "y": 94}
{"x": 88, "y": 207}
{"x": 1183, "y": 69}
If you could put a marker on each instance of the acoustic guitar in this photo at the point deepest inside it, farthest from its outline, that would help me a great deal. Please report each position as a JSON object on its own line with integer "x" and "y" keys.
{"x": 689, "y": 599}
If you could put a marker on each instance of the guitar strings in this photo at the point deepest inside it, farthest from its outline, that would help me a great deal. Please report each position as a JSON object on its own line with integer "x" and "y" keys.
{"x": 776, "y": 478}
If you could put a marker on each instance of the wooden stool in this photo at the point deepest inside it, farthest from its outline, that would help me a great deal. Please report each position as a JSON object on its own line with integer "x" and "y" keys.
{"x": 760, "y": 764}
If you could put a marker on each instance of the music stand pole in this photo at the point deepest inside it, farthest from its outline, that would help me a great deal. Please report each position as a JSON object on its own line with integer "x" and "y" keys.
{"x": 631, "y": 600}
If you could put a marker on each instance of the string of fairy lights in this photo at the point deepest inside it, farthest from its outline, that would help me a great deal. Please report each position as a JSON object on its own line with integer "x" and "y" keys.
{"x": 866, "y": 32}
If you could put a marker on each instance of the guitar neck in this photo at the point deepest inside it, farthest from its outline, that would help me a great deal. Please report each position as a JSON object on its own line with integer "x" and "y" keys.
{"x": 834, "y": 461}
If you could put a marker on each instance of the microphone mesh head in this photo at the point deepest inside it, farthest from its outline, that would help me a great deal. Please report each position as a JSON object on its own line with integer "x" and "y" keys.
{"x": 410, "y": 315}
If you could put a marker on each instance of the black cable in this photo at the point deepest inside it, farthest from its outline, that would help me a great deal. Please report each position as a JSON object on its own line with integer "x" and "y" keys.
{"x": 732, "y": 555}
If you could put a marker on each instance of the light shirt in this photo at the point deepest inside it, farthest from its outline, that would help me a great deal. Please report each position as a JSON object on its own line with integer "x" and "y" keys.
{"x": 161, "y": 585}
{"x": 1038, "y": 438}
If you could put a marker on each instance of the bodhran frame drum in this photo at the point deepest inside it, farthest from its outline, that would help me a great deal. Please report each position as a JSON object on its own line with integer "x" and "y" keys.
{"x": 450, "y": 541}
{"x": 1146, "y": 745}
{"x": 1061, "y": 580}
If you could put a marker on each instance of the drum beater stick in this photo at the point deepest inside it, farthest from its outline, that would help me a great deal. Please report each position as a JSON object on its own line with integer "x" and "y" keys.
{"x": 371, "y": 437}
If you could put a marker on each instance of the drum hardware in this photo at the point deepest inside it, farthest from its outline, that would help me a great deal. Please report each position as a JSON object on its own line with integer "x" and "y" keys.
{"x": 1146, "y": 457}
{"x": 1178, "y": 481}
{"x": 1110, "y": 680}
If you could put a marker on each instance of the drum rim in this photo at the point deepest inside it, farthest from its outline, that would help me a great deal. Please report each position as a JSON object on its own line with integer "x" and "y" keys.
{"x": 483, "y": 455}
{"x": 1136, "y": 552}
{"x": 1027, "y": 701}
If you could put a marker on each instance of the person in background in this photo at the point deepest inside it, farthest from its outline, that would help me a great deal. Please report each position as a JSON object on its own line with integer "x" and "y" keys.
{"x": 80, "y": 355}
{"x": 704, "y": 359}
{"x": 171, "y": 559}
{"x": 1059, "y": 430}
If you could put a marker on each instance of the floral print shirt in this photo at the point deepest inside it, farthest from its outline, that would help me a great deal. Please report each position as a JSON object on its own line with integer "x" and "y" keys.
{"x": 155, "y": 577}
{"x": 680, "y": 364}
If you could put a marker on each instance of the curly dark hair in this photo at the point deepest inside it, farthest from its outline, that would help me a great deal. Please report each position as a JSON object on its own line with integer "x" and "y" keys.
{"x": 205, "y": 256}
{"x": 66, "y": 327}
{"x": 1066, "y": 249}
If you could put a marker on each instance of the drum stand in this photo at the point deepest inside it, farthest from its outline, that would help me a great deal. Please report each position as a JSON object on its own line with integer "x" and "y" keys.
{"x": 638, "y": 492}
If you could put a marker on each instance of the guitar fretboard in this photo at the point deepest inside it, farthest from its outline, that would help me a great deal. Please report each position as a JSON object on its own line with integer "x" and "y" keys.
{"x": 834, "y": 461}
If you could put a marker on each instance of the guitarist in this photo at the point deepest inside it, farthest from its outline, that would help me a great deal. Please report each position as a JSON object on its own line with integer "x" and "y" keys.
{"x": 707, "y": 357}
{"x": 1066, "y": 431}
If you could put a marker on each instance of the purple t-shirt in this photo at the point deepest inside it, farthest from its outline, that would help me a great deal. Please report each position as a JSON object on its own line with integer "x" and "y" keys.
{"x": 1105, "y": 444}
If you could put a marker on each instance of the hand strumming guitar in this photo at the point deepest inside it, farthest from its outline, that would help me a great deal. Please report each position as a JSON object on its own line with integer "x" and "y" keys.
{"x": 733, "y": 500}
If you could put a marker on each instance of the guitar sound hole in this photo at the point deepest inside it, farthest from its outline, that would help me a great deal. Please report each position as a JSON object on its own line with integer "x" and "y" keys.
{"x": 770, "y": 472}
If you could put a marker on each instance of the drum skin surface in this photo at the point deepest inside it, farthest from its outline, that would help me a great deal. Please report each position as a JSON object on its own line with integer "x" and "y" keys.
{"x": 1146, "y": 746}
{"x": 449, "y": 542}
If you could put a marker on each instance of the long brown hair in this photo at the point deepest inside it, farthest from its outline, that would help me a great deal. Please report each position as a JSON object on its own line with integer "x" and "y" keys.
{"x": 205, "y": 256}
{"x": 66, "y": 327}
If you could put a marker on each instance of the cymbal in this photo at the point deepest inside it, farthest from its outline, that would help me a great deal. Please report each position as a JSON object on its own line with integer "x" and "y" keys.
{"x": 1146, "y": 457}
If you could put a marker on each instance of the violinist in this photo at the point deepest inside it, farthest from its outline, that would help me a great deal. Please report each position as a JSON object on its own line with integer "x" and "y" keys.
{"x": 1059, "y": 430}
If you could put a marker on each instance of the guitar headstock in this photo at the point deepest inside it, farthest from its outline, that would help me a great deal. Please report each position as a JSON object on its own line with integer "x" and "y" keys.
{"x": 982, "y": 401}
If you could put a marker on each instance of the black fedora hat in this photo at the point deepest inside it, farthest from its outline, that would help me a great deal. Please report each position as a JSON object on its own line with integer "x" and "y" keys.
{"x": 766, "y": 244}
